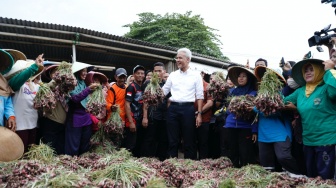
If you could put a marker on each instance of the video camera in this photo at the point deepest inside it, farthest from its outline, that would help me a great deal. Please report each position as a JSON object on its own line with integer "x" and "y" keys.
{"x": 333, "y": 3}
{"x": 322, "y": 37}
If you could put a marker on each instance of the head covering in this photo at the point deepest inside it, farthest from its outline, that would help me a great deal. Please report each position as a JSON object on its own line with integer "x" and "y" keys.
{"x": 248, "y": 87}
{"x": 20, "y": 66}
{"x": 318, "y": 77}
{"x": 137, "y": 68}
{"x": 77, "y": 66}
{"x": 297, "y": 70}
{"x": 6, "y": 62}
{"x": 234, "y": 72}
{"x": 260, "y": 71}
{"x": 16, "y": 54}
{"x": 5, "y": 90}
{"x": 120, "y": 71}
{"x": 46, "y": 75}
{"x": 90, "y": 75}
{"x": 11, "y": 147}
{"x": 78, "y": 89}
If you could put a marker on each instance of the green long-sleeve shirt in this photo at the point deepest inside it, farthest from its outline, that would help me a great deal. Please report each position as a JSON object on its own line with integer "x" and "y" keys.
{"x": 18, "y": 80}
{"x": 318, "y": 111}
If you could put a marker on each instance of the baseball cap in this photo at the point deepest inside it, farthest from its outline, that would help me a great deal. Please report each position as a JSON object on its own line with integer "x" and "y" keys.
{"x": 137, "y": 68}
{"x": 121, "y": 71}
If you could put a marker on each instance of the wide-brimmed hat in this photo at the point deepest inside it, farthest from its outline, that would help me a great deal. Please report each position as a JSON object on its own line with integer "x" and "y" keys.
{"x": 297, "y": 70}
{"x": 89, "y": 77}
{"x": 11, "y": 147}
{"x": 260, "y": 71}
{"x": 20, "y": 66}
{"x": 16, "y": 54}
{"x": 6, "y": 62}
{"x": 48, "y": 68}
{"x": 234, "y": 72}
{"x": 77, "y": 66}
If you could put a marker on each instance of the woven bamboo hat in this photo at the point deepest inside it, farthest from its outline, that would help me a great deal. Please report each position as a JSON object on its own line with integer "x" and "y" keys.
{"x": 234, "y": 72}
{"x": 46, "y": 77}
{"x": 260, "y": 71}
{"x": 6, "y": 62}
{"x": 16, "y": 54}
{"x": 11, "y": 147}
{"x": 20, "y": 66}
{"x": 89, "y": 77}
{"x": 297, "y": 70}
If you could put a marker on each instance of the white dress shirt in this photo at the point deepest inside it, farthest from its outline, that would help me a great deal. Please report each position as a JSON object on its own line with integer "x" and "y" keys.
{"x": 184, "y": 86}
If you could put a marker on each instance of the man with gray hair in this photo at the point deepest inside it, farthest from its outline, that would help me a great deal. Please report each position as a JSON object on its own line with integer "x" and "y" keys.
{"x": 184, "y": 84}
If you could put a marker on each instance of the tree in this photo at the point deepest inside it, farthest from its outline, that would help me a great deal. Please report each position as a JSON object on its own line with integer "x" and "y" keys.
{"x": 177, "y": 30}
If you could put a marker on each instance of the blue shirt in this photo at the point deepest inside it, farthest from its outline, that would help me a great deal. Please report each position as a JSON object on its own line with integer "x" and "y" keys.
{"x": 6, "y": 108}
{"x": 233, "y": 122}
{"x": 274, "y": 128}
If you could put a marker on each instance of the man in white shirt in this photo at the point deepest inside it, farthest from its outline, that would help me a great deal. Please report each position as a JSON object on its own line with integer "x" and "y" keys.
{"x": 184, "y": 85}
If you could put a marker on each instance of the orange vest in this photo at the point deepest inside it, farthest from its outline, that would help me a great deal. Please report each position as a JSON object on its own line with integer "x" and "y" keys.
{"x": 116, "y": 97}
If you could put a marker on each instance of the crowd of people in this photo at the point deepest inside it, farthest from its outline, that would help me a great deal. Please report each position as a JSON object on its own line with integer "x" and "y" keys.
{"x": 299, "y": 139}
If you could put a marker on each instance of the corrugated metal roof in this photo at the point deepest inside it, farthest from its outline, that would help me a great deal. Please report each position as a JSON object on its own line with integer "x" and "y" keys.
{"x": 94, "y": 47}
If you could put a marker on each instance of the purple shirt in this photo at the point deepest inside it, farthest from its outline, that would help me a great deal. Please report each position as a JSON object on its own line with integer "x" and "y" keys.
{"x": 80, "y": 117}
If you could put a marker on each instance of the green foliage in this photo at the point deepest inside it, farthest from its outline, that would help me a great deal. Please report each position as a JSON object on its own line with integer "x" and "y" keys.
{"x": 177, "y": 30}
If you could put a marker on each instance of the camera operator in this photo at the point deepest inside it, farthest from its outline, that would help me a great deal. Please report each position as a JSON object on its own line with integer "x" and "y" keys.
{"x": 332, "y": 50}
{"x": 287, "y": 74}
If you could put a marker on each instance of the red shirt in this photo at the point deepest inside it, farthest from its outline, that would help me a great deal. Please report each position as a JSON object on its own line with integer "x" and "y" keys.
{"x": 208, "y": 114}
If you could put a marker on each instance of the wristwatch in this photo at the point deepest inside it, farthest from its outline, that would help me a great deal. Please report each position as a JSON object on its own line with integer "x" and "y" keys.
{"x": 198, "y": 112}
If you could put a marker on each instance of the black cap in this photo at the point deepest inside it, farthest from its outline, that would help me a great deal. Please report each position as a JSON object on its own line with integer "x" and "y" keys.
{"x": 120, "y": 71}
{"x": 137, "y": 68}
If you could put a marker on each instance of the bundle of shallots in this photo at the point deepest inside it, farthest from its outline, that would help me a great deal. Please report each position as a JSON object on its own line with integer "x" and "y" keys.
{"x": 114, "y": 127}
{"x": 269, "y": 99}
{"x": 241, "y": 106}
{"x": 65, "y": 79}
{"x": 96, "y": 104}
{"x": 153, "y": 94}
{"x": 217, "y": 88}
{"x": 45, "y": 99}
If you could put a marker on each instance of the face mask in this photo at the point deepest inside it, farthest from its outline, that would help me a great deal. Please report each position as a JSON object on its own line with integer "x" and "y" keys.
{"x": 292, "y": 84}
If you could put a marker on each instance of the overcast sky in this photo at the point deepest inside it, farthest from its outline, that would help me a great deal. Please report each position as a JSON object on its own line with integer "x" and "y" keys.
{"x": 249, "y": 29}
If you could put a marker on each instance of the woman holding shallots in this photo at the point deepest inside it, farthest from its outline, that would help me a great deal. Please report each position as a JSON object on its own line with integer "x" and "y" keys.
{"x": 316, "y": 104}
{"x": 241, "y": 133}
{"x": 78, "y": 125}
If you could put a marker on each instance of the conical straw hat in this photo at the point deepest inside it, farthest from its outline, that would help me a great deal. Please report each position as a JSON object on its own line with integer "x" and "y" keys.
{"x": 77, "y": 66}
{"x": 11, "y": 145}
{"x": 6, "y": 62}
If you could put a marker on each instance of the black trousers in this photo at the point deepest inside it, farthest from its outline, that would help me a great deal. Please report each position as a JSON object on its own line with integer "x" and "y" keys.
{"x": 149, "y": 142}
{"x": 283, "y": 154}
{"x": 181, "y": 119}
{"x": 161, "y": 139}
{"x": 132, "y": 140}
{"x": 202, "y": 133}
{"x": 224, "y": 141}
{"x": 153, "y": 139}
{"x": 240, "y": 146}
{"x": 214, "y": 141}
{"x": 53, "y": 133}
